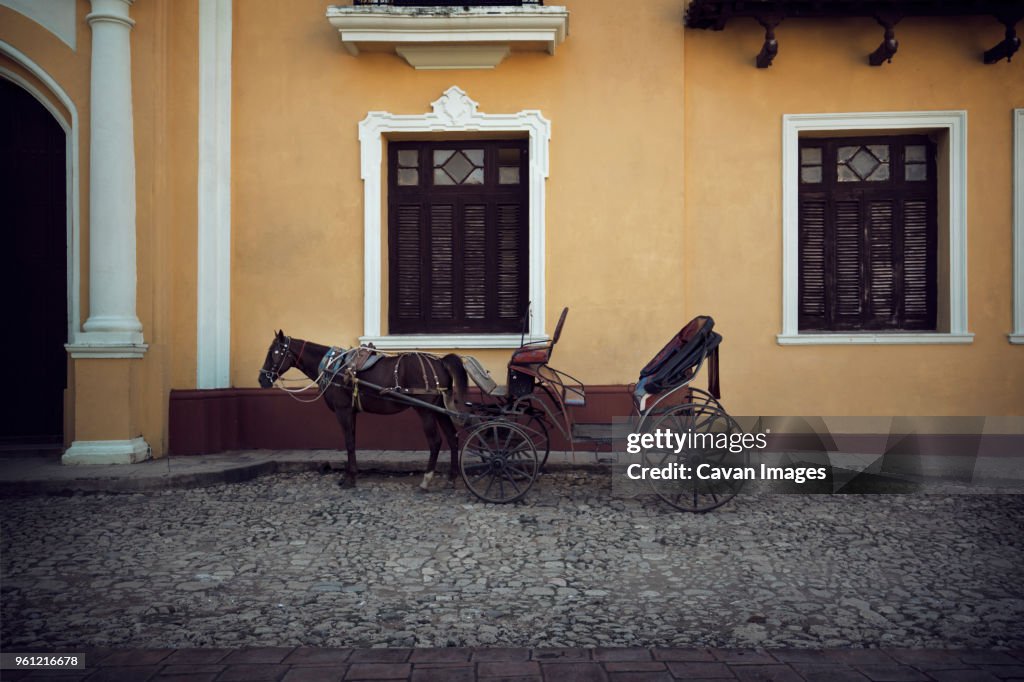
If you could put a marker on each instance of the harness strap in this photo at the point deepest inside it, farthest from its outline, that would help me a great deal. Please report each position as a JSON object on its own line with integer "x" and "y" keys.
{"x": 357, "y": 403}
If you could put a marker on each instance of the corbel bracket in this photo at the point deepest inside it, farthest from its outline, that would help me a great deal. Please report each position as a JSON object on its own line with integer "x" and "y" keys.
{"x": 889, "y": 45}
{"x": 771, "y": 45}
{"x": 1009, "y": 45}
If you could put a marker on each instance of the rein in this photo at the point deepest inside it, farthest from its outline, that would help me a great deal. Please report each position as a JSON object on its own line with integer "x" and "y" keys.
{"x": 275, "y": 374}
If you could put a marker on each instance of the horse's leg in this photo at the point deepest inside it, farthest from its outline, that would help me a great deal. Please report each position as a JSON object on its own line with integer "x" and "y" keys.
{"x": 434, "y": 439}
{"x": 452, "y": 436}
{"x": 347, "y": 420}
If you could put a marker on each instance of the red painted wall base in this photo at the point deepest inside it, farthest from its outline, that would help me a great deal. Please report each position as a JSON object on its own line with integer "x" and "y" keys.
{"x": 218, "y": 420}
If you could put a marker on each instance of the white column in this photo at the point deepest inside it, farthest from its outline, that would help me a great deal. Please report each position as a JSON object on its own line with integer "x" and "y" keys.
{"x": 112, "y": 327}
{"x": 213, "y": 318}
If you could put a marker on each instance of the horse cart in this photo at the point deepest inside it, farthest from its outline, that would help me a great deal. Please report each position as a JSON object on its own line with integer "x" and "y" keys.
{"x": 512, "y": 436}
{"x": 505, "y": 439}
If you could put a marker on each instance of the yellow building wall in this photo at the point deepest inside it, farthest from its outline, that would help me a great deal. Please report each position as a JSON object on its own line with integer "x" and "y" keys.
{"x": 614, "y": 95}
{"x": 635, "y": 125}
{"x": 165, "y": 67}
{"x": 733, "y": 235}
{"x": 664, "y": 199}
{"x": 123, "y": 399}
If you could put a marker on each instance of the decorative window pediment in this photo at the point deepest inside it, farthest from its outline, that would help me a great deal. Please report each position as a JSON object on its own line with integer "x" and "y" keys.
{"x": 450, "y": 37}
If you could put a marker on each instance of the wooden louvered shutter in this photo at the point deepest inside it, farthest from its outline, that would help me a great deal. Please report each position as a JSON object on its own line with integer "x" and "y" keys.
{"x": 867, "y": 234}
{"x": 919, "y": 267}
{"x": 407, "y": 285}
{"x": 458, "y": 236}
{"x": 848, "y": 259}
{"x": 880, "y": 264}
{"x": 475, "y": 252}
{"x": 510, "y": 265}
{"x": 440, "y": 303}
{"x": 813, "y": 270}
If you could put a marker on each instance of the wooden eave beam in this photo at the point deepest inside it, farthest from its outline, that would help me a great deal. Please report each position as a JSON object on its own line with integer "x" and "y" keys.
{"x": 715, "y": 14}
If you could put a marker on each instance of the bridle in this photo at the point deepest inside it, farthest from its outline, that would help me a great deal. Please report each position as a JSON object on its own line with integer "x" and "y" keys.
{"x": 282, "y": 351}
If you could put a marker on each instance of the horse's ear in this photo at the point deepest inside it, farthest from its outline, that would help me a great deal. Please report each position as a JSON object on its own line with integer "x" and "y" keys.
{"x": 280, "y": 335}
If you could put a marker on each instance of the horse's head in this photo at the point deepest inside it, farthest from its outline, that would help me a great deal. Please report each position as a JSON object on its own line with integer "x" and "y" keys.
{"x": 280, "y": 359}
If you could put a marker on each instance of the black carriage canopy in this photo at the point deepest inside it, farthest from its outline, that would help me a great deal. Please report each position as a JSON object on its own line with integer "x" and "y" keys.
{"x": 678, "y": 361}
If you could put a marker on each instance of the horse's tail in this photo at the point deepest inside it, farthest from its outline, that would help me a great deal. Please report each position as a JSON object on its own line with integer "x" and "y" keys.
{"x": 460, "y": 381}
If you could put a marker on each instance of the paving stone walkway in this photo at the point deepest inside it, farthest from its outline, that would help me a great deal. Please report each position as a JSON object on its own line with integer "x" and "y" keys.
{"x": 286, "y": 664}
{"x": 290, "y": 577}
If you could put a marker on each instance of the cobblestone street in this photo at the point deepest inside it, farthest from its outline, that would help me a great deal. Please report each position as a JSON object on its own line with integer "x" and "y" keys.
{"x": 294, "y": 560}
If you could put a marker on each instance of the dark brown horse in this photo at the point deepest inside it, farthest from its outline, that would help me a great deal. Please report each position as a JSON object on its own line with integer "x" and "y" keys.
{"x": 421, "y": 376}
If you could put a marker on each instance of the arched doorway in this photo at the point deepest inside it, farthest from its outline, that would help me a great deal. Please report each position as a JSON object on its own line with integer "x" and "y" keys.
{"x": 33, "y": 225}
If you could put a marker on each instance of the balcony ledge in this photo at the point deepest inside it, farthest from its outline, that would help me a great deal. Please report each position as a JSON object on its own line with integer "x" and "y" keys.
{"x": 450, "y": 37}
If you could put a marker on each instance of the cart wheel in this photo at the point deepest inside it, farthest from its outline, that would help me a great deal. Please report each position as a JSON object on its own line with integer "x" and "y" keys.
{"x": 499, "y": 461}
{"x": 532, "y": 420}
{"x": 707, "y": 424}
{"x": 539, "y": 433}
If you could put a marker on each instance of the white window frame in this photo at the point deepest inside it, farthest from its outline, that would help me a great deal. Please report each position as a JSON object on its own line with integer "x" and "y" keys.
{"x": 1017, "y": 335}
{"x": 954, "y": 123}
{"x": 453, "y": 112}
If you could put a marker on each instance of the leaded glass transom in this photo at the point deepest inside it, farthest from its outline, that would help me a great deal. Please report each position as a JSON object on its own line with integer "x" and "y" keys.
{"x": 458, "y": 166}
{"x": 857, "y": 163}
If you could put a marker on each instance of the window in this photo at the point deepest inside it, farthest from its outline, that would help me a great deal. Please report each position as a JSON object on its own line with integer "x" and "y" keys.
{"x": 867, "y": 234}
{"x": 454, "y": 114}
{"x": 946, "y": 131}
{"x": 458, "y": 236}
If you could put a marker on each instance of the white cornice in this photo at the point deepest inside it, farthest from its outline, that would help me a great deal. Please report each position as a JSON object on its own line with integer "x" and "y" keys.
{"x": 449, "y": 341}
{"x": 450, "y": 37}
{"x": 105, "y": 349}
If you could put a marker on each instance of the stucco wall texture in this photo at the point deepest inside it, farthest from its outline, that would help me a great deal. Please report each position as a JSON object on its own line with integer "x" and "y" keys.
{"x": 664, "y": 199}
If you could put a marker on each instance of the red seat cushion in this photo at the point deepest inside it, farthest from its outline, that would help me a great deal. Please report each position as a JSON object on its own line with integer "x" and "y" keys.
{"x": 530, "y": 356}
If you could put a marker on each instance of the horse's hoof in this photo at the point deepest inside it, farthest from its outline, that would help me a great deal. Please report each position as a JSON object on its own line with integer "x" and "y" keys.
{"x": 450, "y": 485}
{"x": 347, "y": 482}
{"x": 324, "y": 468}
{"x": 422, "y": 490}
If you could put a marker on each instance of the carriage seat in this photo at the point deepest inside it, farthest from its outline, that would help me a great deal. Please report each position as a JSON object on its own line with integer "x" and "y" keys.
{"x": 482, "y": 378}
{"x": 536, "y": 355}
{"x": 539, "y": 352}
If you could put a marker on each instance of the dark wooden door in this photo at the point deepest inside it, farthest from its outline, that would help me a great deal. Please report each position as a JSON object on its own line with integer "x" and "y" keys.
{"x": 33, "y": 279}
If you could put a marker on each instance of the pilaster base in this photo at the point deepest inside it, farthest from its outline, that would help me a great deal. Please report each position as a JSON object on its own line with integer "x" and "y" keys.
{"x": 106, "y": 452}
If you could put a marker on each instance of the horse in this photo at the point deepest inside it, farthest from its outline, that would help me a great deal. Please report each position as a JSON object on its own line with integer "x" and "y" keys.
{"x": 427, "y": 377}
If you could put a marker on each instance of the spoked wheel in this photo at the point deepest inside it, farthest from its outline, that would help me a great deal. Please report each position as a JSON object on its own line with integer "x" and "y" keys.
{"x": 539, "y": 433}
{"x": 533, "y": 421}
{"x": 713, "y": 470}
{"x": 499, "y": 461}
